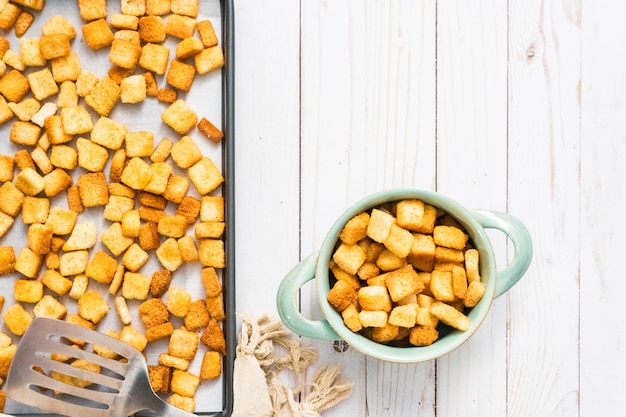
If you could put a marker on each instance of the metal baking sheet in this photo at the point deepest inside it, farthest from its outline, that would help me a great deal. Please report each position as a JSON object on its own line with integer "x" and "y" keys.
{"x": 211, "y": 96}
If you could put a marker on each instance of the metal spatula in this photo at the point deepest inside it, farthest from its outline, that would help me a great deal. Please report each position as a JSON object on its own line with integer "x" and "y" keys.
{"x": 121, "y": 388}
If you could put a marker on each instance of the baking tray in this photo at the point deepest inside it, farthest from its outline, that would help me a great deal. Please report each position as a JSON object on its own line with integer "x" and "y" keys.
{"x": 220, "y": 108}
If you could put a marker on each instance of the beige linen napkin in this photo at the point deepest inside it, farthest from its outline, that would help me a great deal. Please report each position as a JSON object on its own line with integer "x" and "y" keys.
{"x": 257, "y": 386}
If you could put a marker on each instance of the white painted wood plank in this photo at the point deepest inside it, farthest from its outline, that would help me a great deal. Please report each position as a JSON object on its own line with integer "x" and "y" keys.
{"x": 367, "y": 124}
{"x": 603, "y": 147}
{"x": 471, "y": 168}
{"x": 544, "y": 147}
{"x": 267, "y": 149}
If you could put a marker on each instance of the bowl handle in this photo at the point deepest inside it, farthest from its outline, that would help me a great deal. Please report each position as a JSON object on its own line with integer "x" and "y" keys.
{"x": 287, "y": 303}
{"x": 519, "y": 235}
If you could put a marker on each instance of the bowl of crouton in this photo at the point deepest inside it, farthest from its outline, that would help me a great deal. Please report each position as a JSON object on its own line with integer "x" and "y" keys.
{"x": 405, "y": 275}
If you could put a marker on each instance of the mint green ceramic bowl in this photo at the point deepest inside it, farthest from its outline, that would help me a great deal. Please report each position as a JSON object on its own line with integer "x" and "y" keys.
{"x": 474, "y": 222}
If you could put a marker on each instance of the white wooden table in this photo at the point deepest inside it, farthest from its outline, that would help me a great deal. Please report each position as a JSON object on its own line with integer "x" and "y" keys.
{"x": 515, "y": 106}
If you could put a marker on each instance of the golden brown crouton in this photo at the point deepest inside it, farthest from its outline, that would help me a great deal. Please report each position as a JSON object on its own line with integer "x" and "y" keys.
{"x": 341, "y": 295}
{"x": 97, "y": 34}
{"x": 183, "y": 344}
{"x": 153, "y": 312}
{"x": 213, "y": 337}
{"x": 211, "y": 366}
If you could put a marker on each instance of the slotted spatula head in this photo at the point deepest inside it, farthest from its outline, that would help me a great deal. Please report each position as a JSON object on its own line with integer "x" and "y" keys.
{"x": 50, "y": 373}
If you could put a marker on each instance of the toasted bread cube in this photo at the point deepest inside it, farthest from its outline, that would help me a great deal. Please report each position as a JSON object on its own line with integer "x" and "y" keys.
{"x": 39, "y": 238}
{"x": 7, "y": 260}
{"x": 93, "y": 189}
{"x": 8, "y": 15}
{"x": 205, "y": 176}
{"x": 423, "y": 335}
{"x": 27, "y": 290}
{"x": 61, "y": 220}
{"x": 133, "y": 89}
{"x": 54, "y": 130}
{"x": 42, "y": 84}
{"x": 74, "y": 202}
{"x": 122, "y": 21}
{"x": 34, "y": 210}
{"x": 29, "y": 182}
{"x": 459, "y": 282}
{"x": 118, "y": 280}
{"x": 91, "y": 156}
{"x": 30, "y": 53}
{"x": 7, "y": 165}
{"x": 153, "y": 312}
{"x": 83, "y": 236}
{"x": 154, "y": 58}
{"x": 349, "y": 257}
{"x": 160, "y": 282}
{"x": 101, "y": 268}
{"x": 50, "y": 307}
{"x": 12, "y": 59}
{"x": 68, "y": 96}
{"x": 441, "y": 285}
{"x": 64, "y": 156}
{"x": 169, "y": 255}
{"x": 388, "y": 261}
{"x": 86, "y": 82}
{"x": 207, "y": 33}
{"x": 151, "y": 29}
{"x": 39, "y": 118}
{"x": 11, "y": 199}
{"x": 92, "y": 9}
{"x": 189, "y": 208}
{"x": 446, "y": 255}
{"x": 92, "y": 306}
{"x": 66, "y": 68}
{"x": 215, "y": 305}
{"x": 166, "y": 95}
{"x": 160, "y": 331}
{"x": 211, "y": 282}
{"x": 152, "y": 200}
{"x": 208, "y": 129}
{"x": 475, "y": 292}
{"x": 180, "y": 117}
{"x": 23, "y": 23}
{"x": 180, "y": 75}
{"x": 449, "y": 237}
{"x": 139, "y": 143}
{"x": 372, "y": 298}
{"x": 157, "y": 7}
{"x": 379, "y": 225}
{"x": 350, "y": 317}
{"x": 134, "y": 258}
{"x": 165, "y": 359}
{"x": 449, "y": 315}
{"x": 137, "y": 174}
{"x": 23, "y": 160}
{"x": 124, "y": 53}
{"x": 25, "y": 109}
{"x": 114, "y": 240}
{"x": 25, "y": 133}
{"x": 341, "y": 295}
{"x": 183, "y": 343}
{"x": 177, "y": 187}
{"x": 73, "y": 263}
{"x": 159, "y": 378}
{"x": 211, "y": 366}
{"x": 211, "y": 253}
{"x": 133, "y": 7}
{"x": 425, "y": 318}
{"x": 172, "y": 226}
{"x": 386, "y": 333}
{"x": 422, "y": 255}
{"x": 185, "y": 7}
{"x": 54, "y": 45}
{"x": 133, "y": 337}
{"x": 31, "y": 4}
{"x": 178, "y": 303}
{"x": 209, "y": 59}
{"x": 135, "y": 286}
{"x": 76, "y": 120}
{"x": 427, "y": 225}
{"x": 399, "y": 241}
{"x": 109, "y": 133}
{"x": 58, "y": 24}
{"x": 197, "y": 316}
{"x": 179, "y": 26}
{"x": 209, "y": 230}
{"x": 213, "y": 336}
{"x": 373, "y": 318}
{"x": 17, "y": 320}
{"x": 472, "y": 265}
{"x": 403, "y": 316}
{"x": 410, "y": 213}
{"x": 185, "y": 152}
{"x": 188, "y": 48}
{"x": 97, "y": 34}
{"x": 402, "y": 283}
{"x": 103, "y": 97}
{"x": 162, "y": 150}
{"x": 184, "y": 403}
{"x": 149, "y": 236}
{"x": 131, "y": 223}
{"x": 121, "y": 190}
{"x": 184, "y": 383}
{"x": 188, "y": 249}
